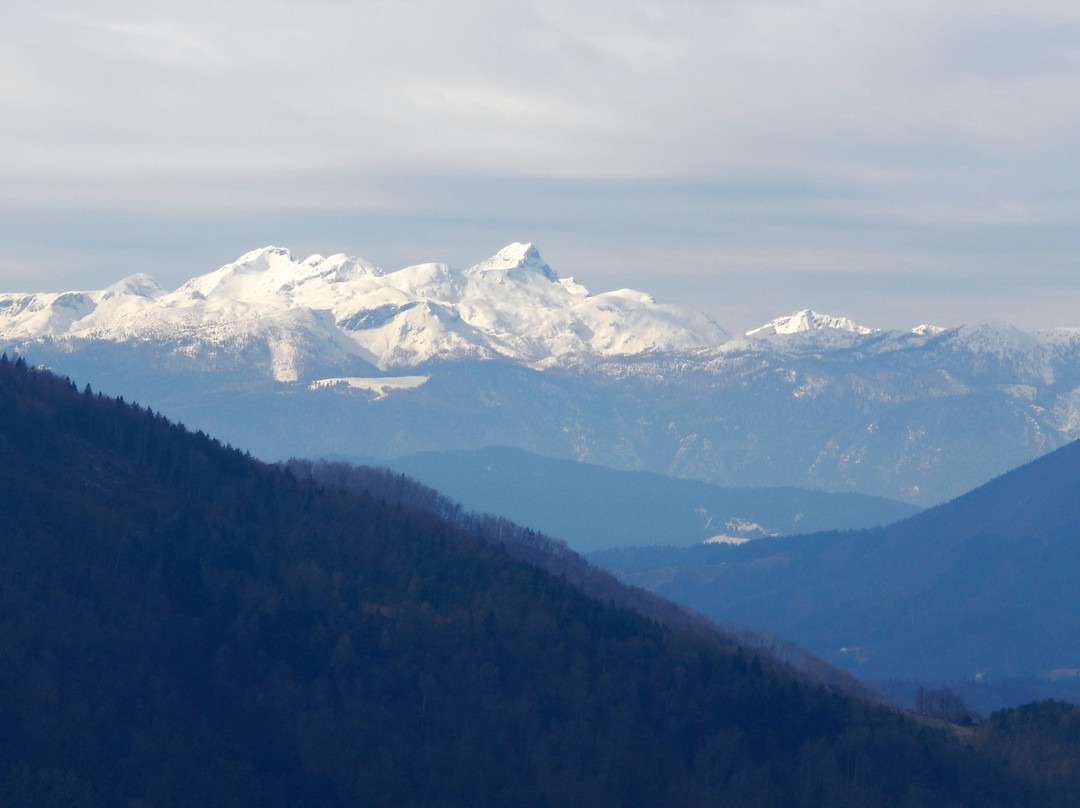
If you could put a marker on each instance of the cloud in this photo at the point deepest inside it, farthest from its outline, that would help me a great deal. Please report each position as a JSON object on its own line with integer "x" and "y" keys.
{"x": 612, "y": 89}
{"x": 148, "y": 42}
{"x": 830, "y": 137}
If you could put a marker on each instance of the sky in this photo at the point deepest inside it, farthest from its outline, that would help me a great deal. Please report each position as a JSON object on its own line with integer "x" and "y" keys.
{"x": 895, "y": 162}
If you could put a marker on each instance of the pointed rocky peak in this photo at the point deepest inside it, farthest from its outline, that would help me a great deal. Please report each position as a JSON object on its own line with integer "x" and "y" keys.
{"x": 515, "y": 256}
{"x": 807, "y": 321}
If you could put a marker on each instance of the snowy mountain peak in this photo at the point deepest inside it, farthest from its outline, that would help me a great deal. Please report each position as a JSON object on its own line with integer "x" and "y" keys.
{"x": 515, "y": 256}
{"x": 242, "y": 277}
{"x": 262, "y": 257}
{"x": 139, "y": 285}
{"x": 927, "y": 330}
{"x": 271, "y": 277}
{"x": 805, "y": 321}
{"x": 343, "y": 314}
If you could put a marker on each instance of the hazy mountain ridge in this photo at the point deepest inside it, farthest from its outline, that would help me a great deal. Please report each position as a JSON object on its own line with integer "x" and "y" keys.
{"x": 593, "y": 507}
{"x": 506, "y": 353}
{"x": 979, "y": 590}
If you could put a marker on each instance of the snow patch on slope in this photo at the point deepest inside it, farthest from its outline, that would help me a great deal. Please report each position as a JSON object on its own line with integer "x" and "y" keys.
{"x": 382, "y": 386}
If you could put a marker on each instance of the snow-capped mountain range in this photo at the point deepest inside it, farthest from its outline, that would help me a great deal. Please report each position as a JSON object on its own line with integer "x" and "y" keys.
{"x": 512, "y": 305}
{"x": 335, "y": 356}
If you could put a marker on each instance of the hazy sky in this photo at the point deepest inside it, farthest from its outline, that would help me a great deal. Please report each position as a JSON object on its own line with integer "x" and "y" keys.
{"x": 894, "y": 162}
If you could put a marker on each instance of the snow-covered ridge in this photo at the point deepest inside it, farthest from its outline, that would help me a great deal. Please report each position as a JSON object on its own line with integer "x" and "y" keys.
{"x": 343, "y": 317}
{"x": 807, "y": 331}
{"x": 805, "y": 321}
{"x": 340, "y": 309}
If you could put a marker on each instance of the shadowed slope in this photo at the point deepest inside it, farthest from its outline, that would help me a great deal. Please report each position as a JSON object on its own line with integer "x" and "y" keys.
{"x": 184, "y": 626}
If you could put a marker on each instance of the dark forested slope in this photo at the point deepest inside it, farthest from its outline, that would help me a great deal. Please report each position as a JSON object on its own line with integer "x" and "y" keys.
{"x": 180, "y": 625}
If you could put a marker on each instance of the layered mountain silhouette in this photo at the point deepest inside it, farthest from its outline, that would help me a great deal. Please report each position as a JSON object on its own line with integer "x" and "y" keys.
{"x": 183, "y": 625}
{"x": 332, "y": 356}
{"x": 592, "y": 507}
{"x": 978, "y": 590}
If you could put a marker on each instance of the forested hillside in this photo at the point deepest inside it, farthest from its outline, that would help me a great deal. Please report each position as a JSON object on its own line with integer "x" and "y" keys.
{"x": 184, "y": 626}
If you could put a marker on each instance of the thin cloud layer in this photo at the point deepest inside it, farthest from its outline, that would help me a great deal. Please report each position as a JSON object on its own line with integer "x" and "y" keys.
{"x": 883, "y": 141}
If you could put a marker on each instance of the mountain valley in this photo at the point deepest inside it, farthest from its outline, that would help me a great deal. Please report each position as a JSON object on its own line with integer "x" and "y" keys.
{"x": 335, "y": 357}
{"x": 524, "y": 395}
{"x": 184, "y": 625}
{"x": 593, "y": 507}
{"x": 978, "y": 592}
